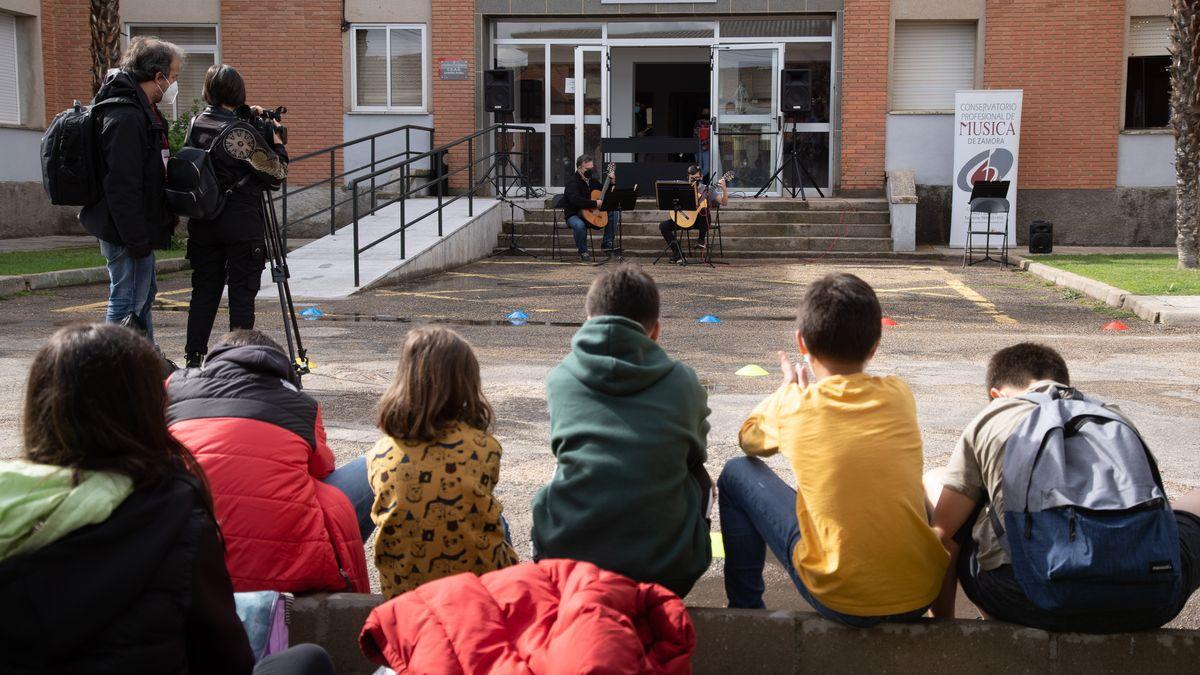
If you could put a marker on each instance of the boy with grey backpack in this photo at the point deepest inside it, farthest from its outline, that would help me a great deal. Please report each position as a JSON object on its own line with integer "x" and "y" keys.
{"x": 1054, "y": 512}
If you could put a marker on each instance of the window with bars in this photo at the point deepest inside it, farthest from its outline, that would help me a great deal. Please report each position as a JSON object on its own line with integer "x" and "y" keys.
{"x": 390, "y": 68}
{"x": 10, "y": 95}
{"x": 199, "y": 44}
{"x": 931, "y": 60}
{"x": 1148, "y": 77}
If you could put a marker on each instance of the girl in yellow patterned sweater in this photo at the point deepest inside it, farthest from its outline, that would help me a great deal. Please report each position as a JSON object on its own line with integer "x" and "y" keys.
{"x": 434, "y": 470}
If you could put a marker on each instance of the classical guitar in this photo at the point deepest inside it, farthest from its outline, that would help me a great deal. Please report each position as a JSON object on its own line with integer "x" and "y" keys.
{"x": 594, "y": 217}
{"x": 686, "y": 219}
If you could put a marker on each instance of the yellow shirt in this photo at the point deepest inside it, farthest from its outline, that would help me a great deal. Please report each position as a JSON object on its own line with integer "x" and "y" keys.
{"x": 865, "y": 546}
{"x": 434, "y": 512}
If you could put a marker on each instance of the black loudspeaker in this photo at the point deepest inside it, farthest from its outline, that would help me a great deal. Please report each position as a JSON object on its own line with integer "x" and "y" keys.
{"x": 795, "y": 91}
{"x": 498, "y": 90}
{"x": 1041, "y": 236}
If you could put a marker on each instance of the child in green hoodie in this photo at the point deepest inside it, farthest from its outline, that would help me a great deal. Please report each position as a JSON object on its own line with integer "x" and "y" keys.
{"x": 629, "y": 428}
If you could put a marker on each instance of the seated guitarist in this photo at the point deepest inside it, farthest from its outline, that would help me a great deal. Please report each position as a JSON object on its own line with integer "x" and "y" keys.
{"x": 578, "y": 197}
{"x": 668, "y": 227}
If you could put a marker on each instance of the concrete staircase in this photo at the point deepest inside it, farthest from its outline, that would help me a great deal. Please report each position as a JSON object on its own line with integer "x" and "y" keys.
{"x": 751, "y": 228}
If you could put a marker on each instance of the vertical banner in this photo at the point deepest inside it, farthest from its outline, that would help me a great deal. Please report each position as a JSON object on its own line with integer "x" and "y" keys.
{"x": 987, "y": 135}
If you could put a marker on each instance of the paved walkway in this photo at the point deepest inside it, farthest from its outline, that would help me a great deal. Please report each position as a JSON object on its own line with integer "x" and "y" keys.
{"x": 45, "y": 243}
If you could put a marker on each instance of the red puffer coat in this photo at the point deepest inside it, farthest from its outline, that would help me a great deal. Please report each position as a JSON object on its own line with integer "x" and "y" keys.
{"x": 553, "y": 616}
{"x": 262, "y": 446}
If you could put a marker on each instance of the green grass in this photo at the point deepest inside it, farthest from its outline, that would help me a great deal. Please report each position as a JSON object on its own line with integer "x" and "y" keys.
{"x": 1140, "y": 274}
{"x": 33, "y": 262}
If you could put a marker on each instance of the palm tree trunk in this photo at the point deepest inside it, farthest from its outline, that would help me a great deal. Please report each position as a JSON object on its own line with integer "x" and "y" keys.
{"x": 106, "y": 39}
{"x": 1185, "y": 118}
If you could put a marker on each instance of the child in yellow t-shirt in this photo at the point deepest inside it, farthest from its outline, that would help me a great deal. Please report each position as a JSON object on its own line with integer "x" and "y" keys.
{"x": 855, "y": 535}
{"x": 434, "y": 471}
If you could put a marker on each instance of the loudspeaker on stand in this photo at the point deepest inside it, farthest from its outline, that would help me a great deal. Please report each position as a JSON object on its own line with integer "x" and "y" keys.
{"x": 498, "y": 90}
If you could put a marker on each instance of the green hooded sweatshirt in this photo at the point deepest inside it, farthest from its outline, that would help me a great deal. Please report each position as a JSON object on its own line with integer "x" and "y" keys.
{"x": 40, "y": 504}
{"x": 627, "y": 424}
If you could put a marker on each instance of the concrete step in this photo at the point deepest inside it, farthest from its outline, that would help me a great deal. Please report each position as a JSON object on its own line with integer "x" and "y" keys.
{"x": 764, "y": 204}
{"x": 734, "y": 246}
{"x": 526, "y": 228}
{"x": 727, "y": 216}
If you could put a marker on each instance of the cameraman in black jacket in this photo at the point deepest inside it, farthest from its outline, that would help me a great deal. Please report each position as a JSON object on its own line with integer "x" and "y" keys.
{"x": 230, "y": 249}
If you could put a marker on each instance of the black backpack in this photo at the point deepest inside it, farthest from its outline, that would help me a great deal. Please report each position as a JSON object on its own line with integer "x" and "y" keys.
{"x": 192, "y": 187}
{"x": 71, "y": 163}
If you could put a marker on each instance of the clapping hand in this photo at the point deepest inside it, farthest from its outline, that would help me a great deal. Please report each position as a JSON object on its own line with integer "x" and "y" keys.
{"x": 793, "y": 373}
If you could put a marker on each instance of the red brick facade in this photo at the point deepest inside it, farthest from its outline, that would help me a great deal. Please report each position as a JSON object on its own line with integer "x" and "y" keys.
{"x": 66, "y": 50}
{"x": 291, "y": 55}
{"x": 1071, "y": 73}
{"x": 452, "y": 34}
{"x": 864, "y": 101}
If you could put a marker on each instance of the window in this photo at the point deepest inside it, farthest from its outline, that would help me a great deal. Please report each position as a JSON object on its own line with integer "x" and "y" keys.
{"x": 930, "y": 61}
{"x": 390, "y": 65}
{"x": 199, "y": 43}
{"x": 1148, "y": 77}
{"x": 10, "y": 97}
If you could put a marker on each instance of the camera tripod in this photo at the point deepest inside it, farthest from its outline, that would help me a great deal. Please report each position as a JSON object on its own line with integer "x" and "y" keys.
{"x": 276, "y": 252}
{"x": 797, "y": 169}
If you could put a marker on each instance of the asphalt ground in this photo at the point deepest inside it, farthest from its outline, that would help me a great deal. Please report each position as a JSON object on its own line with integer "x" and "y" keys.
{"x": 949, "y": 320}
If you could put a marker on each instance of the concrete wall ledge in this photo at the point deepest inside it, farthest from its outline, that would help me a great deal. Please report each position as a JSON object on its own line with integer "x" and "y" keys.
{"x": 763, "y": 641}
{"x": 11, "y": 285}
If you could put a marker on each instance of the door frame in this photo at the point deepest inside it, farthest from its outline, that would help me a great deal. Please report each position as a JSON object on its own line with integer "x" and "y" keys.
{"x": 771, "y": 119}
{"x": 581, "y": 120}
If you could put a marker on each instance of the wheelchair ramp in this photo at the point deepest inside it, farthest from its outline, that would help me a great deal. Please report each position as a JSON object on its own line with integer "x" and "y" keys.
{"x": 324, "y": 269}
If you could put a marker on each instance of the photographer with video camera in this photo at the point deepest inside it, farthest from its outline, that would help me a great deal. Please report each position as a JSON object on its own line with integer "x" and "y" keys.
{"x": 246, "y": 148}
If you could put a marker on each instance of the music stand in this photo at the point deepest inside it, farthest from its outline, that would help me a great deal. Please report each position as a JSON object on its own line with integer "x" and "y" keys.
{"x": 990, "y": 197}
{"x": 676, "y": 196}
{"x": 619, "y": 200}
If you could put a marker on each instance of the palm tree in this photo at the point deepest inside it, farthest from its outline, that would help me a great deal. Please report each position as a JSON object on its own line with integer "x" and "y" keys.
{"x": 1185, "y": 117}
{"x": 106, "y": 39}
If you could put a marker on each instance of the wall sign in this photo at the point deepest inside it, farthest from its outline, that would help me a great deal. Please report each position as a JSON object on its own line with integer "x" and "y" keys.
{"x": 987, "y": 135}
{"x": 453, "y": 69}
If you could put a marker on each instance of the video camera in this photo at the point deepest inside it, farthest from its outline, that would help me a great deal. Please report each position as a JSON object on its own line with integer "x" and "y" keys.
{"x": 267, "y": 123}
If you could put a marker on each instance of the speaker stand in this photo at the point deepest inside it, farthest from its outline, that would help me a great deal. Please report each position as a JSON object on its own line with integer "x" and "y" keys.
{"x": 796, "y": 167}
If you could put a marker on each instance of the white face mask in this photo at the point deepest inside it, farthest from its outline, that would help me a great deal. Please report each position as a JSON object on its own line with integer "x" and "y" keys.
{"x": 168, "y": 96}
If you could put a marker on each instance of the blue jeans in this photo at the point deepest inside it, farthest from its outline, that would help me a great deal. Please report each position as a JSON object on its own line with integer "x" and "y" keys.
{"x": 758, "y": 508}
{"x": 704, "y": 157}
{"x": 132, "y": 285}
{"x": 579, "y": 229}
{"x": 352, "y": 480}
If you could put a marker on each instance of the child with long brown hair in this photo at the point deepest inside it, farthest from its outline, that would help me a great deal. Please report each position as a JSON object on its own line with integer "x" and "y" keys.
{"x": 434, "y": 471}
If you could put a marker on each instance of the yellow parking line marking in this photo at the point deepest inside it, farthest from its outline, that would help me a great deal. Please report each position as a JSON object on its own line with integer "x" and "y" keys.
{"x": 415, "y": 294}
{"x": 980, "y": 301}
{"x": 909, "y": 290}
{"x": 476, "y": 275}
{"x": 446, "y": 291}
{"x": 103, "y": 304}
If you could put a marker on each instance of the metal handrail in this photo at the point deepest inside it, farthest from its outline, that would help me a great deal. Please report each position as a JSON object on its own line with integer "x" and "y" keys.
{"x": 440, "y": 177}
{"x": 334, "y": 176}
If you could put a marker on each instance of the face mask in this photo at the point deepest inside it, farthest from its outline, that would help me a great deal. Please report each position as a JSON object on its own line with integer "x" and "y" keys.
{"x": 168, "y": 96}
{"x": 588, "y": 173}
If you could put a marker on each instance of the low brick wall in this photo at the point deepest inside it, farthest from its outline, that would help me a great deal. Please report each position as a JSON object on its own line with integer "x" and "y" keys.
{"x": 762, "y": 641}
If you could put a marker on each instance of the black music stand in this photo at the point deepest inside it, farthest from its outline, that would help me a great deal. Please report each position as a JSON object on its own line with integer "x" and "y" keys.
{"x": 619, "y": 200}
{"x": 987, "y": 197}
{"x": 676, "y": 196}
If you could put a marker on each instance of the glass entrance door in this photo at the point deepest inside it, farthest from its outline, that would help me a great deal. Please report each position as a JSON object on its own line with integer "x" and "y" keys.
{"x": 591, "y": 101}
{"x": 745, "y": 106}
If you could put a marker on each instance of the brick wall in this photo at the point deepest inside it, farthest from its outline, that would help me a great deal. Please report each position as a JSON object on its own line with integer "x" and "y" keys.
{"x": 452, "y": 34}
{"x": 290, "y": 54}
{"x": 1069, "y": 59}
{"x": 866, "y": 25}
{"x": 66, "y": 49}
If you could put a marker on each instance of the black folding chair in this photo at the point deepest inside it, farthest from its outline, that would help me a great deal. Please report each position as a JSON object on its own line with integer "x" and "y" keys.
{"x": 990, "y": 206}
